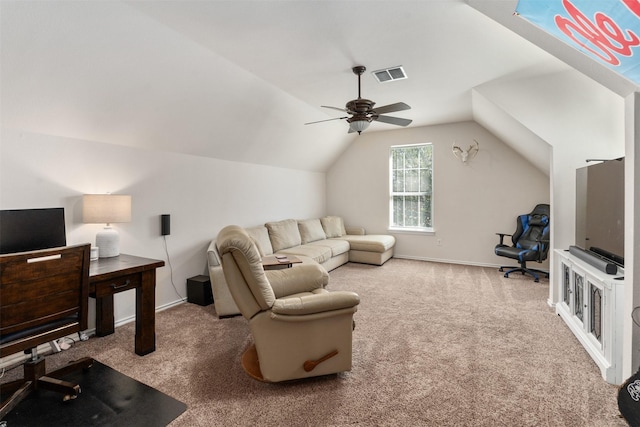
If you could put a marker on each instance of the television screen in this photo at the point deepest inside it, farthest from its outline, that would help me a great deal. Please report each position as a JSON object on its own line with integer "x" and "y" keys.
{"x": 23, "y": 230}
{"x": 600, "y": 209}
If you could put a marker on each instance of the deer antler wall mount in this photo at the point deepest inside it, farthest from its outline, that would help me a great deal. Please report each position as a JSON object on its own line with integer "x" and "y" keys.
{"x": 468, "y": 154}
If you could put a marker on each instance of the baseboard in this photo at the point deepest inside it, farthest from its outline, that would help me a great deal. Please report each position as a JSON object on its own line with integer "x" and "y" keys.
{"x": 447, "y": 261}
{"x": 171, "y": 304}
{"x": 129, "y": 319}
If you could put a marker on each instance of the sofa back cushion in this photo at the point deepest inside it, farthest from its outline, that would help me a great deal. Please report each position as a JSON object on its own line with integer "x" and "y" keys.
{"x": 311, "y": 230}
{"x": 333, "y": 226}
{"x": 260, "y": 236}
{"x": 284, "y": 234}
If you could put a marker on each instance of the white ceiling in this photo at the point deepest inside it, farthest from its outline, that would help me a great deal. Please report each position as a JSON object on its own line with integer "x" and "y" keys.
{"x": 237, "y": 80}
{"x": 307, "y": 49}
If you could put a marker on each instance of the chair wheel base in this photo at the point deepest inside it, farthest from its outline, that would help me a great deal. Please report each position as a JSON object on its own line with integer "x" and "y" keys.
{"x": 530, "y": 271}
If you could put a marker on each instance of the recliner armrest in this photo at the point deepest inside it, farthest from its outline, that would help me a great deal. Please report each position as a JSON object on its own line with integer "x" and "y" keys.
{"x": 316, "y": 303}
{"x": 300, "y": 278}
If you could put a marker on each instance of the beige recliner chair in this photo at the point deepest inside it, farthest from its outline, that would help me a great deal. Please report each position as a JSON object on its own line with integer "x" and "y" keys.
{"x": 299, "y": 328}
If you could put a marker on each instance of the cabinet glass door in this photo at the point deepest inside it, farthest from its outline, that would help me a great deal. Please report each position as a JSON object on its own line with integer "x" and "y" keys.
{"x": 578, "y": 296}
{"x": 595, "y": 307}
{"x": 566, "y": 284}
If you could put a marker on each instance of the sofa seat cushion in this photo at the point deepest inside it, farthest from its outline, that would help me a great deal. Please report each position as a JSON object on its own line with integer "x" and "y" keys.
{"x": 318, "y": 253}
{"x": 370, "y": 242}
{"x": 338, "y": 246}
{"x": 284, "y": 234}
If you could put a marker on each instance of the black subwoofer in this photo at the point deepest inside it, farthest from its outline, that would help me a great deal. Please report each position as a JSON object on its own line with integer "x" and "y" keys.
{"x": 199, "y": 290}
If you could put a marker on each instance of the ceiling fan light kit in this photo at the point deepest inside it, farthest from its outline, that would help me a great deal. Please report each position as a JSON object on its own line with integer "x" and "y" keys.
{"x": 362, "y": 111}
{"x": 359, "y": 125}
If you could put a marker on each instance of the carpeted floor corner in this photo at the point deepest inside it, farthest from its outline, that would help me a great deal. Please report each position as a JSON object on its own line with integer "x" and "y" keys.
{"x": 435, "y": 345}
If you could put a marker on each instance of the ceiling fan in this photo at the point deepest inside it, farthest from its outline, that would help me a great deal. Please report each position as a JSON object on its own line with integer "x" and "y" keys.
{"x": 361, "y": 111}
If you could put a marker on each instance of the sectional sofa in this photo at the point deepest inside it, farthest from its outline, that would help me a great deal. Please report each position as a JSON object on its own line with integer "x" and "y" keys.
{"x": 321, "y": 242}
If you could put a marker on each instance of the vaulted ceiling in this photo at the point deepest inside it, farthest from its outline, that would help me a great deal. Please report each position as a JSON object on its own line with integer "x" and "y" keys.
{"x": 237, "y": 80}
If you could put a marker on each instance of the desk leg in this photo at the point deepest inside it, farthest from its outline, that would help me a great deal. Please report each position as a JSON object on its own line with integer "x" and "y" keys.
{"x": 104, "y": 316}
{"x": 146, "y": 314}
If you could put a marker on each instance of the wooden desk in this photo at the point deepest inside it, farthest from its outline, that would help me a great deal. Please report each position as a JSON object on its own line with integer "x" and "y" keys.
{"x": 108, "y": 276}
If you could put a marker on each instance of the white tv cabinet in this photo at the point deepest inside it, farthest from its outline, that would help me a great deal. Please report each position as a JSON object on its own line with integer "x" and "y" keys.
{"x": 590, "y": 303}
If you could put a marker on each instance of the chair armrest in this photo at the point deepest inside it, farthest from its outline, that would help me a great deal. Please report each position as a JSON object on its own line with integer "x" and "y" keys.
{"x": 502, "y": 237}
{"x": 316, "y": 303}
{"x": 540, "y": 251}
{"x": 299, "y": 278}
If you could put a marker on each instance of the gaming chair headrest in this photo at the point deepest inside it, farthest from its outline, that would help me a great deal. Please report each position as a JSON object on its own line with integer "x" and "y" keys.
{"x": 538, "y": 220}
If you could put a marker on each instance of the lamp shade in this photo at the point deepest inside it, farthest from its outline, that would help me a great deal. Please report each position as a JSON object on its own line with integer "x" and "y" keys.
{"x": 106, "y": 208}
{"x": 359, "y": 125}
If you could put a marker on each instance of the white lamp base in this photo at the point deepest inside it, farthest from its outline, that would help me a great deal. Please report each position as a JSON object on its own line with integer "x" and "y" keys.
{"x": 108, "y": 243}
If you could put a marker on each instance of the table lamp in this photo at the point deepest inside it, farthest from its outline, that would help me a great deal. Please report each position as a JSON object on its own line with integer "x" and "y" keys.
{"x": 106, "y": 208}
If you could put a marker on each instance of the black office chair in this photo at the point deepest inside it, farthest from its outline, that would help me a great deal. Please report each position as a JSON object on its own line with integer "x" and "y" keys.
{"x": 44, "y": 295}
{"x": 530, "y": 242}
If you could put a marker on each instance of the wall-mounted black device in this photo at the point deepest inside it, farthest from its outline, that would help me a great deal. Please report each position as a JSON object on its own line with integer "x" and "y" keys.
{"x": 165, "y": 224}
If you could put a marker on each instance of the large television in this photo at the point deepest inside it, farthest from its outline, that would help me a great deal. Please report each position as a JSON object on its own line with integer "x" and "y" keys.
{"x": 600, "y": 210}
{"x": 23, "y": 230}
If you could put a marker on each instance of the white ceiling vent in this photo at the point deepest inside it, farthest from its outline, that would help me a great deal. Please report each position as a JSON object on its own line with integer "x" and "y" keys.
{"x": 390, "y": 74}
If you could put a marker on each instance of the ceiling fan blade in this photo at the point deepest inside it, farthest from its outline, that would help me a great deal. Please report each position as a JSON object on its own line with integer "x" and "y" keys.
{"x": 327, "y": 120}
{"x": 334, "y": 108}
{"x": 393, "y": 120}
{"x": 398, "y": 106}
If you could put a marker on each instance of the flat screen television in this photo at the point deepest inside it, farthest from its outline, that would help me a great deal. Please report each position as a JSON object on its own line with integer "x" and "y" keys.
{"x": 23, "y": 230}
{"x": 600, "y": 209}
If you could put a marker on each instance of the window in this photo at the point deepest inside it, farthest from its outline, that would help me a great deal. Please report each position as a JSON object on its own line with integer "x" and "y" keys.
{"x": 411, "y": 176}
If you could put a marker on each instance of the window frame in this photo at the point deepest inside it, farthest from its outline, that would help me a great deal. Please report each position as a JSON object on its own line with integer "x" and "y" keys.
{"x": 392, "y": 193}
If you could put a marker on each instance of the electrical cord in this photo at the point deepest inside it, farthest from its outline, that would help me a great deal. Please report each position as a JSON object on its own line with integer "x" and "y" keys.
{"x": 63, "y": 344}
{"x": 166, "y": 249}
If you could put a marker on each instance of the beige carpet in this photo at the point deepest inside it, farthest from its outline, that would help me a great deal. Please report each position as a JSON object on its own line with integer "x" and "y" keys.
{"x": 434, "y": 345}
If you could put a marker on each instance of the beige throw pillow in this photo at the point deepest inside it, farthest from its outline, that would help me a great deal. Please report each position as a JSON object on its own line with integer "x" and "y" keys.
{"x": 311, "y": 230}
{"x": 333, "y": 226}
{"x": 260, "y": 236}
{"x": 284, "y": 234}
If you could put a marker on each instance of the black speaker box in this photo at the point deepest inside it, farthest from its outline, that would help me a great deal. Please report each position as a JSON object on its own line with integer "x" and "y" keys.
{"x": 199, "y": 290}
{"x": 165, "y": 224}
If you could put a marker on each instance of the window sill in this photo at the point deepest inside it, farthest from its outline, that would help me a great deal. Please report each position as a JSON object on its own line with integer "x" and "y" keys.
{"x": 418, "y": 231}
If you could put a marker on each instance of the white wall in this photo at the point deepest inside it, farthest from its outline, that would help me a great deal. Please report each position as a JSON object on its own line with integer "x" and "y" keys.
{"x": 578, "y": 117}
{"x": 201, "y": 194}
{"x": 472, "y": 202}
{"x": 104, "y": 71}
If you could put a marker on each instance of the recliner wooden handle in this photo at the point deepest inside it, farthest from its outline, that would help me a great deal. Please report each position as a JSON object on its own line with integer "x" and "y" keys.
{"x": 310, "y": 365}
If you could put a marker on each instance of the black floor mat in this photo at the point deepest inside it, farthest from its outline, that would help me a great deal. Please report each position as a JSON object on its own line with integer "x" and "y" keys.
{"x": 108, "y": 398}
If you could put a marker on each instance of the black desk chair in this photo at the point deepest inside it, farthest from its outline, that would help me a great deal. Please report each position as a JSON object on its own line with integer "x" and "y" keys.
{"x": 530, "y": 242}
{"x": 44, "y": 295}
